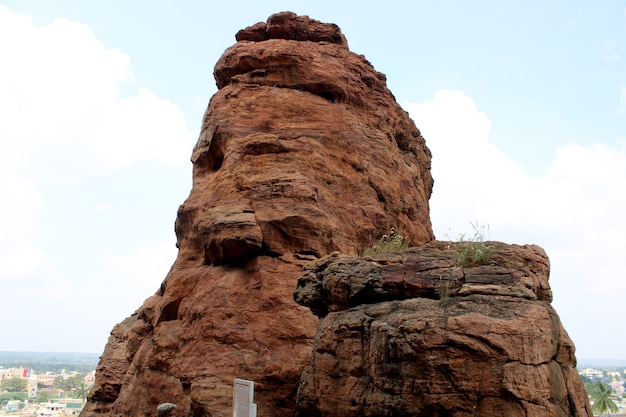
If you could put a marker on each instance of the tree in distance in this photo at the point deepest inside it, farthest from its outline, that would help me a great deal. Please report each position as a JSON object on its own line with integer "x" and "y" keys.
{"x": 601, "y": 395}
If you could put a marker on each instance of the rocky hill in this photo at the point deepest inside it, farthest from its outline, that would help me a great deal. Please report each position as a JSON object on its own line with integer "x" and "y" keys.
{"x": 304, "y": 152}
{"x": 414, "y": 334}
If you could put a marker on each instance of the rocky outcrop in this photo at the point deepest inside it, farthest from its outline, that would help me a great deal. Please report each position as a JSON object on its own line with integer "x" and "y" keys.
{"x": 303, "y": 160}
{"x": 289, "y": 26}
{"x": 303, "y": 151}
{"x": 413, "y": 334}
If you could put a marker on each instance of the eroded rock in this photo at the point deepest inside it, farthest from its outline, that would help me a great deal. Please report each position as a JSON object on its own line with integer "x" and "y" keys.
{"x": 413, "y": 334}
{"x": 303, "y": 151}
{"x": 304, "y": 155}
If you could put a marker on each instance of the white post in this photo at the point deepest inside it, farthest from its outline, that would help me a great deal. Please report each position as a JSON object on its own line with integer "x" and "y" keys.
{"x": 243, "y": 397}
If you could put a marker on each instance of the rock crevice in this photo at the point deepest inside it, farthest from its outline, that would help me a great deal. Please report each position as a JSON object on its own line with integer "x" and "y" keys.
{"x": 303, "y": 152}
{"x": 288, "y": 148}
{"x": 414, "y": 334}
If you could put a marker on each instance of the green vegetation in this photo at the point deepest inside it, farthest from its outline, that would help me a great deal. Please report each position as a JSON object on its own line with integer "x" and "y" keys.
{"x": 9, "y": 396}
{"x": 444, "y": 288}
{"x": 41, "y": 362}
{"x": 69, "y": 383}
{"x": 473, "y": 251}
{"x": 393, "y": 242}
{"x": 14, "y": 384}
{"x": 601, "y": 396}
{"x": 81, "y": 391}
{"x": 42, "y": 397}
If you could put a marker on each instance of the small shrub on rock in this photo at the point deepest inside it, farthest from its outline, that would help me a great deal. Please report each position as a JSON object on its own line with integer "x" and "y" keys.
{"x": 444, "y": 288}
{"x": 473, "y": 251}
{"x": 392, "y": 242}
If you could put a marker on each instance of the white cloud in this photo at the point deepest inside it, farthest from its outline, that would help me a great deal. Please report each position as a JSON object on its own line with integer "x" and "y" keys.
{"x": 19, "y": 261}
{"x": 93, "y": 303}
{"x": 88, "y": 305}
{"x": 123, "y": 281}
{"x": 129, "y": 278}
{"x": 574, "y": 210}
{"x": 63, "y": 122}
{"x": 467, "y": 168}
{"x": 20, "y": 214}
{"x": 103, "y": 207}
{"x": 61, "y": 110}
{"x": 140, "y": 128}
{"x": 71, "y": 129}
{"x": 54, "y": 80}
{"x": 584, "y": 185}
{"x": 19, "y": 200}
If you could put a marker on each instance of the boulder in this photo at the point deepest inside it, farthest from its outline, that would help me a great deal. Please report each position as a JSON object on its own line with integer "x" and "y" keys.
{"x": 413, "y": 334}
{"x": 303, "y": 151}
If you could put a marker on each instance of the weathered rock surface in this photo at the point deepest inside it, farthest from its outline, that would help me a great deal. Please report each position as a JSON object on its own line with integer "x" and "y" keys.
{"x": 290, "y": 26}
{"x": 303, "y": 151}
{"x": 413, "y": 335}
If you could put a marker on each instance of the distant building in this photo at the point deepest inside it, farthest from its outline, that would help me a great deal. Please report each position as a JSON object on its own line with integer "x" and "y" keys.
{"x": 14, "y": 373}
{"x": 47, "y": 379}
{"x": 90, "y": 378}
{"x": 592, "y": 373}
{"x": 60, "y": 406}
{"x": 618, "y": 387}
{"x": 50, "y": 409}
{"x": 72, "y": 406}
{"x": 13, "y": 405}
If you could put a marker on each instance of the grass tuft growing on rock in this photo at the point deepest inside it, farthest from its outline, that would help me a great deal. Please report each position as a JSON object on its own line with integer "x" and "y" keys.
{"x": 473, "y": 251}
{"x": 444, "y": 288}
{"x": 393, "y": 242}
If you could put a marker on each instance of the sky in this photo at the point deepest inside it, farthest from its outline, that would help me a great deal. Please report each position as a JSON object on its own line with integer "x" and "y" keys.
{"x": 523, "y": 105}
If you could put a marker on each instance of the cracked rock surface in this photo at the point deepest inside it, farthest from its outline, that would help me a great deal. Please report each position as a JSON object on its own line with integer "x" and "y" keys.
{"x": 303, "y": 151}
{"x": 390, "y": 344}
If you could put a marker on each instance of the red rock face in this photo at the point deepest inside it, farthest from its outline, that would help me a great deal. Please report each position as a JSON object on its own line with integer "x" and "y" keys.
{"x": 303, "y": 151}
{"x": 414, "y": 335}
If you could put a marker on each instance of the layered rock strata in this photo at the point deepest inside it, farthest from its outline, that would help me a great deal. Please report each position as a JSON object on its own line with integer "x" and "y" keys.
{"x": 303, "y": 151}
{"x": 412, "y": 334}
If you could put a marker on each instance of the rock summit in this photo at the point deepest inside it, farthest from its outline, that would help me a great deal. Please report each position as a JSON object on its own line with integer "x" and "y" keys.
{"x": 303, "y": 151}
{"x": 304, "y": 159}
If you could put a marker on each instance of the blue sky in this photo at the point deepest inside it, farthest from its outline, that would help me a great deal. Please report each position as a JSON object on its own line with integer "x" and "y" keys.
{"x": 523, "y": 105}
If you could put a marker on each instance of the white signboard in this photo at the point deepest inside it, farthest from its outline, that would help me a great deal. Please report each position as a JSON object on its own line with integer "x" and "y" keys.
{"x": 243, "y": 395}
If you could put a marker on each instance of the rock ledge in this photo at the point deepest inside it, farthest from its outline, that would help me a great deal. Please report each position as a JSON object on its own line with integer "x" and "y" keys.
{"x": 289, "y": 26}
{"x": 412, "y": 334}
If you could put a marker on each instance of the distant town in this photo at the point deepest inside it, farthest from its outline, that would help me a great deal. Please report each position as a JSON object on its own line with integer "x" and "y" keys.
{"x": 45, "y": 384}
{"x": 613, "y": 377}
{"x": 57, "y": 384}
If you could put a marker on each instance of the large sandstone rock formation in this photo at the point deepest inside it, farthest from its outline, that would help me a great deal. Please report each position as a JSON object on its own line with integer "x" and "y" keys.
{"x": 303, "y": 151}
{"x": 304, "y": 159}
{"x": 414, "y": 335}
